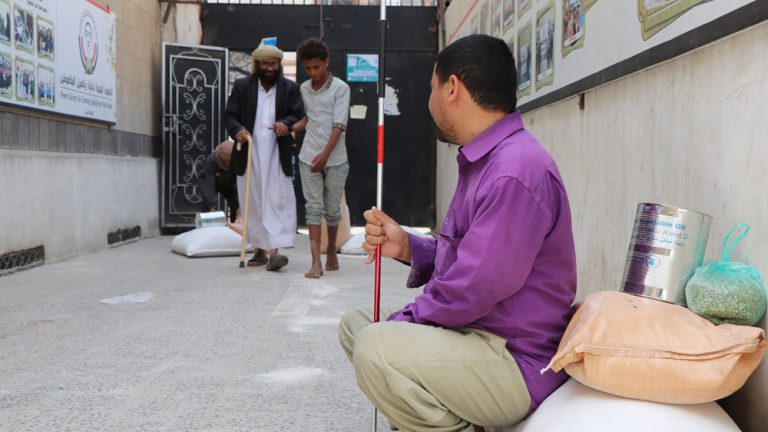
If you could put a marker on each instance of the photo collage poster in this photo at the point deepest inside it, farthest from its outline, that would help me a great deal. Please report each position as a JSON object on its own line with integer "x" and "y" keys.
{"x": 37, "y": 71}
{"x": 553, "y": 48}
{"x": 26, "y": 50}
{"x": 532, "y": 42}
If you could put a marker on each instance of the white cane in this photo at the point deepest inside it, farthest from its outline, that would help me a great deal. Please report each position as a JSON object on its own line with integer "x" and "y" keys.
{"x": 380, "y": 163}
{"x": 247, "y": 198}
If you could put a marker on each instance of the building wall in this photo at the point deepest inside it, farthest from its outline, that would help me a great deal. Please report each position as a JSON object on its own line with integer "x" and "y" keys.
{"x": 691, "y": 133}
{"x": 138, "y": 65}
{"x": 67, "y": 183}
{"x": 183, "y": 24}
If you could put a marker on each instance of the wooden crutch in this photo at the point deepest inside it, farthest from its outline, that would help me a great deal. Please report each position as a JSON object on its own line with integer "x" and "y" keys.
{"x": 247, "y": 199}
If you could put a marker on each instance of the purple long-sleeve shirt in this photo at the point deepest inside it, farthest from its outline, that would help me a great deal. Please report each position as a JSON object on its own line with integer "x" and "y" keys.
{"x": 505, "y": 260}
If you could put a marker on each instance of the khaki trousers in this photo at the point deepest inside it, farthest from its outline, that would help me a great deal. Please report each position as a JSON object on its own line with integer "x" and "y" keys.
{"x": 425, "y": 378}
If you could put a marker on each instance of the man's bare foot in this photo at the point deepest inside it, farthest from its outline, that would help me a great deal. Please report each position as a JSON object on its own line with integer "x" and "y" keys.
{"x": 315, "y": 272}
{"x": 331, "y": 261}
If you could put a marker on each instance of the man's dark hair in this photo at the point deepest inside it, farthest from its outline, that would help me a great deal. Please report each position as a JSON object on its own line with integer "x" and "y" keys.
{"x": 312, "y": 48}
{"x": 486, "y": 66}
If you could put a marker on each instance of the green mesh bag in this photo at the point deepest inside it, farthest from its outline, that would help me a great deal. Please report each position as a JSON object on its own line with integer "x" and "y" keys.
{"x": 727, "y": 291}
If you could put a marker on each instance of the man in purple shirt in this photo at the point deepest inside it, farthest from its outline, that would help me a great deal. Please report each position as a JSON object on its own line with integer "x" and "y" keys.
{"x": 498, "y": 282}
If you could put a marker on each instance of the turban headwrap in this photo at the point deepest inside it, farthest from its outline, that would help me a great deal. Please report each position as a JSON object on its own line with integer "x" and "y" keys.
{"x": 265, "y": 52}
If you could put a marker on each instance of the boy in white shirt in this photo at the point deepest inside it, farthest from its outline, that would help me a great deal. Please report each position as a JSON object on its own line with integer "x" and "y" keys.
{"x": 323, "y": 158}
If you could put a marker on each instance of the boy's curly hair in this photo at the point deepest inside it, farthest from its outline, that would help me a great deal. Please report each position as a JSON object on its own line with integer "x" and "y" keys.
{"x": 312, "y": 48}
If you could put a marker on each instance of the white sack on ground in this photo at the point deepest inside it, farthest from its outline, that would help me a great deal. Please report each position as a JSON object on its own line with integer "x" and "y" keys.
{"x": 207, "y": 242}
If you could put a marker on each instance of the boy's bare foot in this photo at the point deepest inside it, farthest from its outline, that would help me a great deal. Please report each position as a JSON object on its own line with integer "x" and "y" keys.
{"x": 331, "y": 261}
{"x": 315, "y": 271}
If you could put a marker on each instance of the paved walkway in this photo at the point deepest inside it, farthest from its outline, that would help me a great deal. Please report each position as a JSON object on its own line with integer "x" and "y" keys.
{"x": 217, "y": 348}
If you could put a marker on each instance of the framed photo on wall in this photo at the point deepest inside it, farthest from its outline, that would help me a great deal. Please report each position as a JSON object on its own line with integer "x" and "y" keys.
{"x": 523, "y": 6}
{"x": 46, "y": 88}
{"x": 654, "y": 15}
{"x": 524, "y": 60}
{"x": 45, "y": 36}
{"x": 508, "y": 20}
{"x": 5, "y": 22}
{"x": 25, "y": 80}
{"x": 545, "y": 47}
{"x": 496, "y": 18}
{"x": 573, "y": 26}
{"x": 6, "y": 75}
{"x": 24, "y": 34}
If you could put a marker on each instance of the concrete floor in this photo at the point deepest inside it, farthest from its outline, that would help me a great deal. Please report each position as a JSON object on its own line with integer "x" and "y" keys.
{"x": 218, "y": 348}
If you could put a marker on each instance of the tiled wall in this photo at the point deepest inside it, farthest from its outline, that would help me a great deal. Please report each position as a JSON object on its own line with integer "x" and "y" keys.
{"x": 25, "y": 132}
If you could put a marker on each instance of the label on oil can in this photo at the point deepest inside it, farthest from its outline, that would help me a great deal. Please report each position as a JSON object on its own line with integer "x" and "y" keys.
{"x": 660, "y": 231}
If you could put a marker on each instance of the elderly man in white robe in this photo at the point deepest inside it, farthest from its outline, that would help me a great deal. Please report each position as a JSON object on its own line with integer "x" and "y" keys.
{"x": 266, "y": 106}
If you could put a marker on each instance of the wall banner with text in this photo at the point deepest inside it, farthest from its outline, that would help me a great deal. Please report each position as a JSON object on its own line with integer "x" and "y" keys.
{"x": 58, "y": 56}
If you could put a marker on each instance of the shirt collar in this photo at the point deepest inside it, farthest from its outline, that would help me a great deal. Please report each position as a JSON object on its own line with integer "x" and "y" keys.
{"x": 325, "y": 86}
{"x": 262, "y": 89}
{"x": 488, "y": 139}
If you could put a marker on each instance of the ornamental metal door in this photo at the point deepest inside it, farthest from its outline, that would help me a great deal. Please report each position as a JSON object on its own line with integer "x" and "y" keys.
{"x": 194, "y": 95}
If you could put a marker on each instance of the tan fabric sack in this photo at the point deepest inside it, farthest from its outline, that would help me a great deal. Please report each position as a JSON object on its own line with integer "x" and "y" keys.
{"x": 650, "y": 350}
{"x": 344, "y": 232}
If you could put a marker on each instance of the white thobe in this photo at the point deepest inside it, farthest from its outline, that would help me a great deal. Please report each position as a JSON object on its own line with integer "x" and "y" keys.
{"x": 272, "y": 203}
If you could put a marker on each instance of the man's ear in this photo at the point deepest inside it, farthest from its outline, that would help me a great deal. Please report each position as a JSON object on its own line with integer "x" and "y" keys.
{"x": 454, "y": 87}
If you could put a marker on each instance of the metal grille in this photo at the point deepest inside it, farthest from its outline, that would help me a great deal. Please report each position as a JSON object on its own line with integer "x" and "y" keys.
{"x": 194, "y": 94}
{"x": 123, "y": 235}
{"x": 20, "y": 260}
{"x": 330, "y": 2}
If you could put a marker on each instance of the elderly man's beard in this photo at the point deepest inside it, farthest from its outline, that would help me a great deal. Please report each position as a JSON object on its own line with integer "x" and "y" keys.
{"x": 269, "y": 77}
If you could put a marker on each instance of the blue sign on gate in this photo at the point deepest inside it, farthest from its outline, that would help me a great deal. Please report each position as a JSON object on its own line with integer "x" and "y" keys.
{"x": 362, "y": 67}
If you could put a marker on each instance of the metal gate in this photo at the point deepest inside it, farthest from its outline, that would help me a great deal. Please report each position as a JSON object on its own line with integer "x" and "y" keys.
{"x": 194, "y": 94}
{"x": 410, "y": 153}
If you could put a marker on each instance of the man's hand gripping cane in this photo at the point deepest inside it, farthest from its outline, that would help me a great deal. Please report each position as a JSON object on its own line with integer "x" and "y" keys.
{"x": 381, "y": 229}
